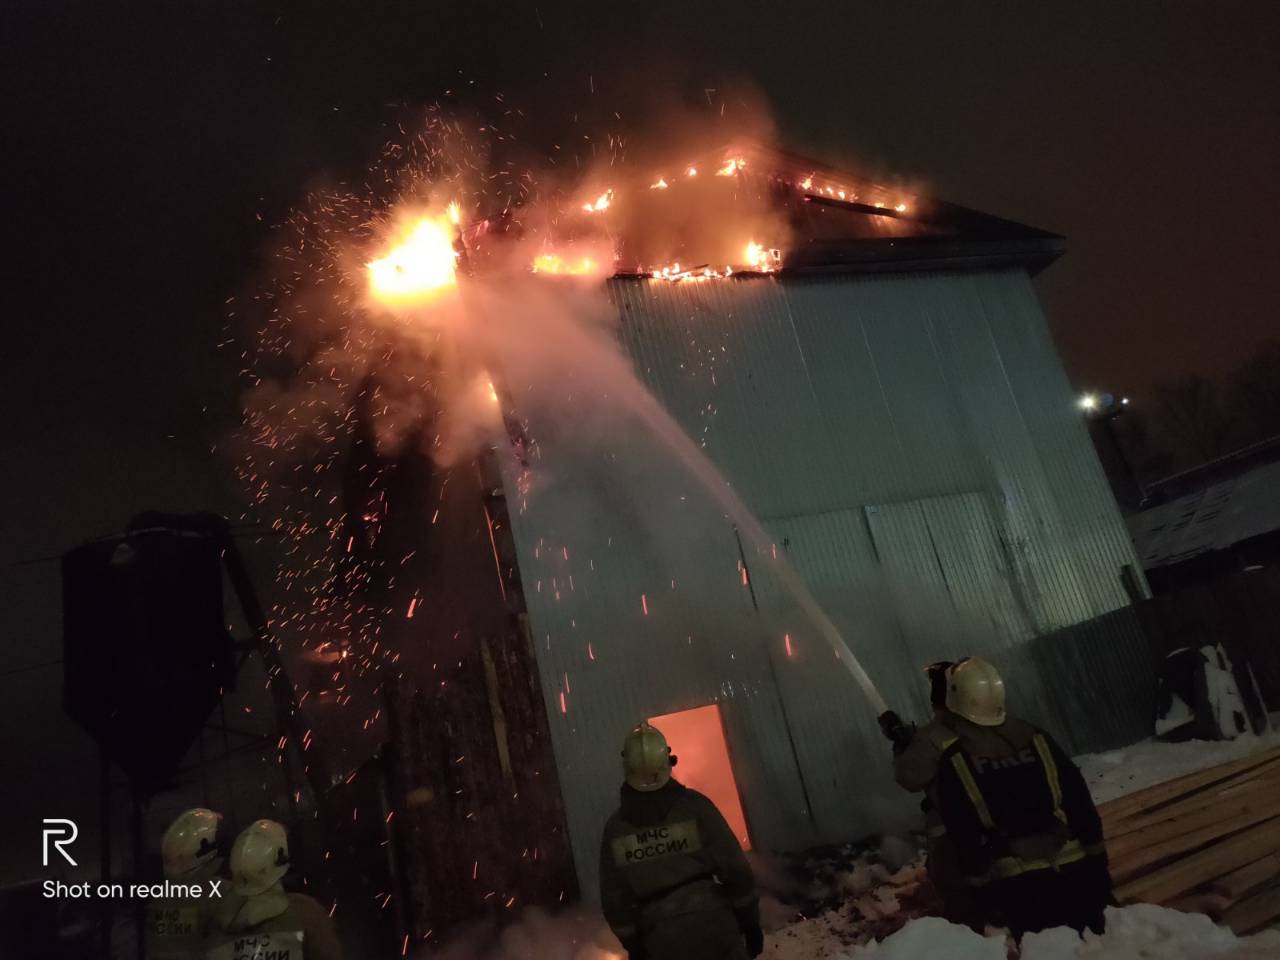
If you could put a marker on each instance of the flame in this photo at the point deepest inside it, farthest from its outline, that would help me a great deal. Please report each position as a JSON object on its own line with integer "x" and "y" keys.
{"x": 421, "y": 264}
{"x": 691, "y": 172}
{"x": 732, "y": 167}
{"x": 493, "y": 391}
{"x": 756, "y": 256}
{"x": 602, "y": 202}
{"x": 553, "y": 263}
{"x": 806, "y": 183}
{"x": 661, "y": 184}
{"x": 455, "y": 213}
{"x": 901, "y": 208}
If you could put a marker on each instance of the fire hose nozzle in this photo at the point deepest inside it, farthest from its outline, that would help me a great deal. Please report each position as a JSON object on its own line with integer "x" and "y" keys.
{"x": 896, "y": 731}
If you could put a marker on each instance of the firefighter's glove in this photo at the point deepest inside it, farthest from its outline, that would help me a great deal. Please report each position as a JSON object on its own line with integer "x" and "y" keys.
{"x": 635, "y": 948}
{"x": 897, "y": 732}
{"x": 749, "y": 923}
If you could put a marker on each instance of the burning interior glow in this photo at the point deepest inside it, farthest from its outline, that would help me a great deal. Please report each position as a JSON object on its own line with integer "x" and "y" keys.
{"x": 418, "y": 265}
{"x": 697, "y": 737}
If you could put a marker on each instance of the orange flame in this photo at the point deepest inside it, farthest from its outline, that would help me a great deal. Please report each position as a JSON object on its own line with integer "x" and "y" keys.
{"x": 756, "y": 256}
{"x": 553, "y": 263}
{"x": 661, "y": 184}
{"x": 691, "y": 172}
{"x": 601, "y": 203}
{"x": 418, "y": 266}
{"x": 732, "y": 167}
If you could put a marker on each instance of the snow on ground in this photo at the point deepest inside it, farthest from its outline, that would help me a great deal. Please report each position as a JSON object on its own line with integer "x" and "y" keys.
{"x": 1139, "y": 932}
{"x": 1138, "y": 766}
{"x": 864, "y": 903}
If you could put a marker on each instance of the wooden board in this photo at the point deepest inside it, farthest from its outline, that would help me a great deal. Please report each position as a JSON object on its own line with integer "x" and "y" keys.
{"x": 1166, "y": 882}
{"x": 1131, "y": 853}
{"x": 1208, "y": 842}
{"x": 1150, "y": 798}
{"x": 1249, "y": 877}
{"x": 1265, "y": 780}
{"x": 1253, "y": 913}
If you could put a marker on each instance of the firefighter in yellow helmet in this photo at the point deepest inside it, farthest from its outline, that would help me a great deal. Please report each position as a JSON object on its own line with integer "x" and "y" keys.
{"x": 674, "y": 882}
{"x": 189, "y": 851}
{"x": 257, "y": 918}
{"x": 1026, "y": 833}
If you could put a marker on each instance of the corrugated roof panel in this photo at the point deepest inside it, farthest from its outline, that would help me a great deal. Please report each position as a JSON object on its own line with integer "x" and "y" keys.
{"x": 1211, "y": 519}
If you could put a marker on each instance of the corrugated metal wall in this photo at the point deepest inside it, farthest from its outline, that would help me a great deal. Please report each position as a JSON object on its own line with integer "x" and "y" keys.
{"x": 914, "y": 447}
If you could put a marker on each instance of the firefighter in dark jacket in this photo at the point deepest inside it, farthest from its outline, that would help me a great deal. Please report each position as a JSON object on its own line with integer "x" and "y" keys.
{"x": 916, "y": 757}
{"x": 1026, "y": 833}
{"x": 674, "y": 883}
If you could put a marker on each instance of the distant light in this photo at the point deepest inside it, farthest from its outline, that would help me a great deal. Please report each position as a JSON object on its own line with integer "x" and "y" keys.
{"x": 1124, "y": 401}
{"x": 1089, "y": 401}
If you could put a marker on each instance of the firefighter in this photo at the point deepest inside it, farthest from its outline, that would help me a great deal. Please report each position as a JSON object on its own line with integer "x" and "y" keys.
{"x": 189, "y": 852}
{"x": 1026, "y": 834}
{"x": 674, "y": 882}
{"x": 258, "y": 918}
{"x": 916, "y": 755}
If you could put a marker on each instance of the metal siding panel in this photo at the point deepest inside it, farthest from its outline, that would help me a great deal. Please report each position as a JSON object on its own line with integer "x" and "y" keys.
{"x": 968, "y": 547}
{"x": 839, "y": 746}
{"x": 1095, "y": 532}
{"x": 816, "y": 398}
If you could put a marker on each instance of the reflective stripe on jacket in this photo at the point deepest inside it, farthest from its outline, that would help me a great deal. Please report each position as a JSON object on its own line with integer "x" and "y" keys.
{"x": 1015, "y": 802}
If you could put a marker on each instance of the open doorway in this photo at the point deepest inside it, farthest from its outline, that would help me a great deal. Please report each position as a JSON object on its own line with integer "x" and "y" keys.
{"x": 697, "y": 737}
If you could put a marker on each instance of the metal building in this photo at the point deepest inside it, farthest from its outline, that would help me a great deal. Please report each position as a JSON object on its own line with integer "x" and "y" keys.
{"x": 891, "y": 407}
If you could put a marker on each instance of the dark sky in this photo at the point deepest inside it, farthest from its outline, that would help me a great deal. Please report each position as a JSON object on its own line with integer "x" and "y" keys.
{"x": 146, "y": 137}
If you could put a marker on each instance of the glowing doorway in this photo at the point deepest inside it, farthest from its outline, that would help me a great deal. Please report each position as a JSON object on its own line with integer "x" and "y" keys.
{"x": 697, "y": 737}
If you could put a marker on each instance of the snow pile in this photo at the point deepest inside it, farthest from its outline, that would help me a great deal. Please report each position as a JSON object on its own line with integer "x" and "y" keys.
{"x": 1139, "y": 932}
{"x": 1147, "y": 932}
{"x": 932, "y": 937}
{"x": 1141, "y": 765}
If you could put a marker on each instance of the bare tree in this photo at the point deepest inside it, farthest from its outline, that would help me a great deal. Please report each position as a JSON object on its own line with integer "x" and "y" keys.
{"x": 1148, "y": 457}
{"x": 1254, "y": 393}
{"x": 1195, "y": 421}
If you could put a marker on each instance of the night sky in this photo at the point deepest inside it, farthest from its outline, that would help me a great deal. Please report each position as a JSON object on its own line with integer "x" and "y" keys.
{"x": 148, "y": 146}
{"x": 145, "y": 139}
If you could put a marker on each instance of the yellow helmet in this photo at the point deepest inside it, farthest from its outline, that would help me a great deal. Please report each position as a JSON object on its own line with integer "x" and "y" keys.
{"x": 975, "y": 691}
{"x": 189, "y": 847}
{"x": 646, "y": 758}
{"x": 259, "y": 858}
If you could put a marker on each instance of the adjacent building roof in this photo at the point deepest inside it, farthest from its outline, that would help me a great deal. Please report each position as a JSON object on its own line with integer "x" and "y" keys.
{"x": 1215, "y": 518}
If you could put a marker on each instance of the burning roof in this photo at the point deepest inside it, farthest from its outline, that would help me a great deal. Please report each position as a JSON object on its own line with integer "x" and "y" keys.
{"x": 753, "y": 209}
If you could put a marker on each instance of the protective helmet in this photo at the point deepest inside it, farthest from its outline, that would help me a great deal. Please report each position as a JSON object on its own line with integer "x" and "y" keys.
{"x": 976, "y": 692}
{"x": 190, "y": 843}
{"x": 259, "y": 858}
{"x": 937, "y": 674}
{"x": 646, "y": 758}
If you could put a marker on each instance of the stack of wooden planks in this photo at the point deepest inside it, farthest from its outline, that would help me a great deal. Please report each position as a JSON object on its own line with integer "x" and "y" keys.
{"x": 1208, "y": 842}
